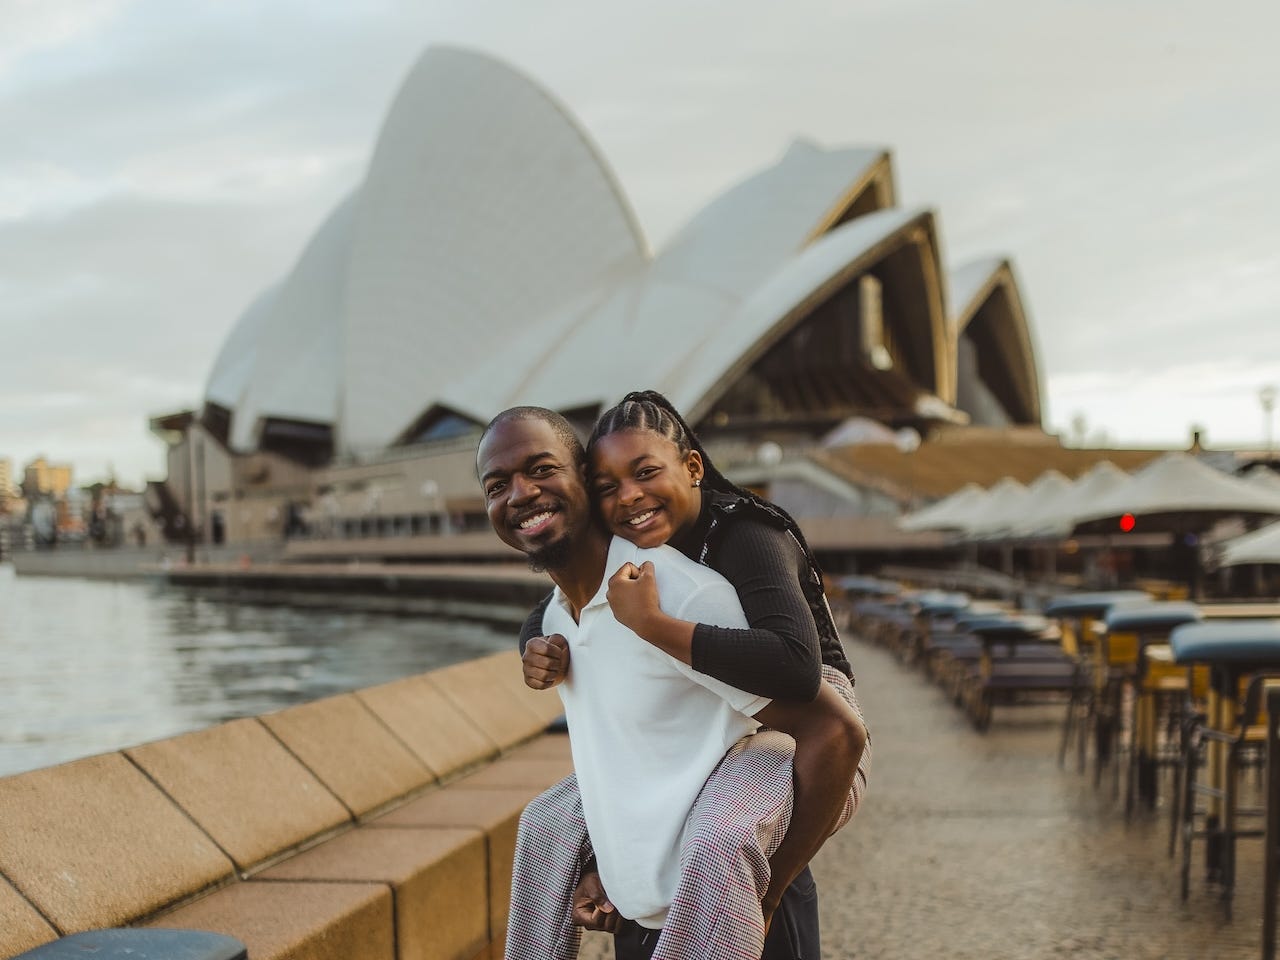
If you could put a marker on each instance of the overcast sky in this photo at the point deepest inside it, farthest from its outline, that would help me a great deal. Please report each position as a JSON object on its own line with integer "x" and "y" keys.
{"x": 161, "y": 161}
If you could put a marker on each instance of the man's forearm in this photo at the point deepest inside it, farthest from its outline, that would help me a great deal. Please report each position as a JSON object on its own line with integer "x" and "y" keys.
{"x": 829, "y": 743}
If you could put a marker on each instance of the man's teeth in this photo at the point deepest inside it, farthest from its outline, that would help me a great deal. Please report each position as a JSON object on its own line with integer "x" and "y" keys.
{"x": 641, "y": 518}
{"x": 534, "y": 520}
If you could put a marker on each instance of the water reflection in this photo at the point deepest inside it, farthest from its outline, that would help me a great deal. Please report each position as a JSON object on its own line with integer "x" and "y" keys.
{"x": 89, "y": 666}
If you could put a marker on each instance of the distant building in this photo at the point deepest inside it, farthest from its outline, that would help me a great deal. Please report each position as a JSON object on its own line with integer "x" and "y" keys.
{"x": 490, "y": 258}
{"x": 8, "y": 492}
{"x": 41, "y": 478}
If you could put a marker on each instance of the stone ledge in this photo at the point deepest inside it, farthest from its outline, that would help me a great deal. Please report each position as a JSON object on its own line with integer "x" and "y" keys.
{"x": 155, "y": 835}
{"x": 297, "y": 921}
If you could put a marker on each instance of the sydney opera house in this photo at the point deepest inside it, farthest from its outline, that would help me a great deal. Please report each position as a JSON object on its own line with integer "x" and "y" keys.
{"x": 490, "y": 257}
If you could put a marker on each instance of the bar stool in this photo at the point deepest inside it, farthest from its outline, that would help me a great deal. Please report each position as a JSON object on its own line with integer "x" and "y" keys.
{"x": 1243, "y": 657}
{"x": 1131, "y": 630}
{"x": 1079, "y": 617}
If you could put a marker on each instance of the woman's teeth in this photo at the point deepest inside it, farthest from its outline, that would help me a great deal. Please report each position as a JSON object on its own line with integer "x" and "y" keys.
{"x": 641, "y": 518}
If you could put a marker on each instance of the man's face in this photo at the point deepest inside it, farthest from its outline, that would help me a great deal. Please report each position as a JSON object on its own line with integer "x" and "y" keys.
{"x": 534, "y": 493}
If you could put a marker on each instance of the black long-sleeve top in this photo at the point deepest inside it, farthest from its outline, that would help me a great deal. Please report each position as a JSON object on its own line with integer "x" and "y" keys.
{"x": 780, "y": 655}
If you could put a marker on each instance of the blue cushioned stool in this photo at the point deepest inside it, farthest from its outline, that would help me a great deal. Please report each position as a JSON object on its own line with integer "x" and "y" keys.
{"x": 1243, "y": 657}
{"x": 140, "y": 944}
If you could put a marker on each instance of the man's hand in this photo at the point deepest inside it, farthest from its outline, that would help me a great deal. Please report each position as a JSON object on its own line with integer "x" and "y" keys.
{"x": 591, "y": 907}
{"x": 633, "y": 596}
{"x": 546, "y": 661}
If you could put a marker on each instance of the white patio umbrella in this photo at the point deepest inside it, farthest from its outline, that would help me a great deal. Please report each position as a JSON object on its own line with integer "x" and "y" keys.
{"x": 1048, "y": 488}
{"x": 1001, "y": 501}
{"x": 1259, "y": 546}
{"x": 1263, "y": 477}
{"x": 1055, "y": 518}
{"x": 945, "y": 513}
{"x": 1179, "y": 492}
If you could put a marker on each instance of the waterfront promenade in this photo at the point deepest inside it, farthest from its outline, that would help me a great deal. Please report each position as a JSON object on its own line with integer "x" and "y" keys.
{"x": 977, "y": 847}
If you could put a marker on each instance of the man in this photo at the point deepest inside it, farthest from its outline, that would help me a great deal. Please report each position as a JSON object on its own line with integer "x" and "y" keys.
{"x": 647, "y": 731}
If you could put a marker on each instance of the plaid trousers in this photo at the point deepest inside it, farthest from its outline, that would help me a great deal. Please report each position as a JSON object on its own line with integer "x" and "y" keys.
{"x": 735, "y": 825}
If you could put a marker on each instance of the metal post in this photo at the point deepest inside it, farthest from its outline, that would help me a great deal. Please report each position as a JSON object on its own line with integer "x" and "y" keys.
{"x": 1271, "y": 837}
{"x": 1267, "y": 397}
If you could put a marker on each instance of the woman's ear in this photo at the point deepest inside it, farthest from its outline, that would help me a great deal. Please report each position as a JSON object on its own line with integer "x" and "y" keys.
{"x": 694, "y": 462}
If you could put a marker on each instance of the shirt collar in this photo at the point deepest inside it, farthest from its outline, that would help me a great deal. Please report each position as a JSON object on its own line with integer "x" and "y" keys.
{"x": 620, "y": 552}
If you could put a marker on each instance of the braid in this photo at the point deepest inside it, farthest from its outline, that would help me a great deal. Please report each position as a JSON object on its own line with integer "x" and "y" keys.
{"x": 650, "y": 410}
{"x": 639, "y": 410}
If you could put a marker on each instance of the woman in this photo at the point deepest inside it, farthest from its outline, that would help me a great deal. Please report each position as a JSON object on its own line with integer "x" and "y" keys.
{"x": 654, "y": 484}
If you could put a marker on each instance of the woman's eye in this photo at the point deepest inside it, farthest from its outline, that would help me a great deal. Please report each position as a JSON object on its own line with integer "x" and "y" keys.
{"x": 605, "y": 489}
{"x": 645, "y": 473}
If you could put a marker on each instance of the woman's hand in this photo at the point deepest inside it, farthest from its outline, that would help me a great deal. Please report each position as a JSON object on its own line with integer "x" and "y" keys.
{"x": 591, "y": 907}
{"x": 633, "y": 596}
{"x": 546, "y": 661}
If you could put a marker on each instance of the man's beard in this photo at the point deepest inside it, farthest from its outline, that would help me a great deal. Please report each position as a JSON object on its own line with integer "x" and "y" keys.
{"x": 552, "y": 556}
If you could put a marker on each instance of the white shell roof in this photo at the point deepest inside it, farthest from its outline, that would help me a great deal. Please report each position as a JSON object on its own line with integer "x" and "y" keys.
{"x": 484, "y": 207}
{"x": 234, "y": 366}
{"x": 967, "y": 285}
{"x": 806, "y": 278}
{"x": 624, "y": 343}
{"x": 747, "y": 231}
{"x": 298, "y": 350}
{"x": 490, "y": 258}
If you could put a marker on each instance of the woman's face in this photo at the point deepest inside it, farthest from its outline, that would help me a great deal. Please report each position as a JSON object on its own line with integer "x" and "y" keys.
{"x": 643, "y": 487}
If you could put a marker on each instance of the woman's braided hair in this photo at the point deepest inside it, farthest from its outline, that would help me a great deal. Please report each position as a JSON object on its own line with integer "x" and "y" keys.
{"x": 650, "y": 410}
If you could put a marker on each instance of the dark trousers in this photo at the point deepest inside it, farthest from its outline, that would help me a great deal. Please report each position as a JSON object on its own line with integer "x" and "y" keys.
{"x": 793, "y": 935}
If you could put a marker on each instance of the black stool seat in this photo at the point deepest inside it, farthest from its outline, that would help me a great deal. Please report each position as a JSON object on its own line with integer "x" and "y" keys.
{"x": 140, "y": 944}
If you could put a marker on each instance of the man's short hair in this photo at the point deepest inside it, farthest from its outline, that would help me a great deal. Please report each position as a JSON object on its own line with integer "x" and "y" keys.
{"x": 562, "y": 428}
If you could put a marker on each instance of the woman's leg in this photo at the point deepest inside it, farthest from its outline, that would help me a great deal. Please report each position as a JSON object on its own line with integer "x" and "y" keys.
{"x": 551, "y": 847}
{"x": 737, "y": 822}
{"x": 845, "y": 688}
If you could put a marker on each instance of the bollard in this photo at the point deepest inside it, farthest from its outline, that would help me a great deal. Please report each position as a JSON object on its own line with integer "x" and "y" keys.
{"x": 140, "y": 944}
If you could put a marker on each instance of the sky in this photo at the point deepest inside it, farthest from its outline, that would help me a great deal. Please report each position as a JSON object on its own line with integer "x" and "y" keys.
{"x": 161, "y": 161}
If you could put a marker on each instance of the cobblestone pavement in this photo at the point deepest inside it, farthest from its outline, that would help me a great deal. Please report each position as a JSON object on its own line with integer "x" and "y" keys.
{"x": 977, "y": 847}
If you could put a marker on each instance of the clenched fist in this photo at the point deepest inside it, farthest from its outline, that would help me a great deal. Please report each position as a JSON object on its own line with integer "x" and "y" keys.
{"x": 546, "y": 661}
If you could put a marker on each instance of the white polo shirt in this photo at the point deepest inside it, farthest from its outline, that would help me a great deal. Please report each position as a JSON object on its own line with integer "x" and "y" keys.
{"x": 645, "y": 729}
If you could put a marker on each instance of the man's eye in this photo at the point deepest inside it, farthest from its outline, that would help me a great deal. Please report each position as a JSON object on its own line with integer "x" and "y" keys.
{"x": 541, "y": 470}
{"x": 493, "y": 490}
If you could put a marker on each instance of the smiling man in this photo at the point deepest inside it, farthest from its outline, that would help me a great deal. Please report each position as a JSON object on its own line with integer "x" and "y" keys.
{"x": 655, "y": 743}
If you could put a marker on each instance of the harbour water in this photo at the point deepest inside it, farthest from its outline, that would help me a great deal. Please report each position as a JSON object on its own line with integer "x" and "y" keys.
{"x": 88, "y": 666}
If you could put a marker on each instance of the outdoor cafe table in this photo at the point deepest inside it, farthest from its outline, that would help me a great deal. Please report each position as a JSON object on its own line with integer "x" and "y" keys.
{"x": 1020, "y": 655}
{"x": 1232, "y": 648}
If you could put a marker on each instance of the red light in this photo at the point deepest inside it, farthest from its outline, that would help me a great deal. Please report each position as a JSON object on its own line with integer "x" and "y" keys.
{"x": 1127, "y": 522}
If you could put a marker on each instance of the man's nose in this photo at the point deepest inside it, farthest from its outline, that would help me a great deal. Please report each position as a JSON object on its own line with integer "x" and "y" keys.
{"x": 522, "y": 489}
